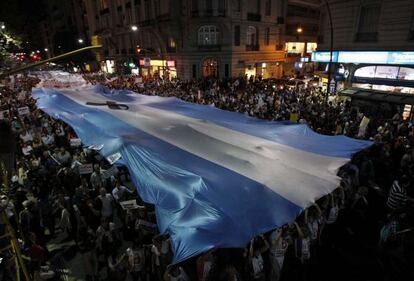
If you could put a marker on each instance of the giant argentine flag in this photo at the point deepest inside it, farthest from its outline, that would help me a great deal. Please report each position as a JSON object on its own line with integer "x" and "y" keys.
{"x": 217, "y": 178}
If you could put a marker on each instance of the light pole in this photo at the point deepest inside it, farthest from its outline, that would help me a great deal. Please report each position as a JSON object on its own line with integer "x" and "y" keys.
{"x": 328, "y": 7}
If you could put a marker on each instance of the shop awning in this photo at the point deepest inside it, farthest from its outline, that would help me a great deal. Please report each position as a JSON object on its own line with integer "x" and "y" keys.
{"x": 379, "y": 96}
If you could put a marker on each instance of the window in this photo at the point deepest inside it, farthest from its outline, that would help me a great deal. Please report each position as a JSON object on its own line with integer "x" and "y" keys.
{"x": 251, "y": 38}
{"x": 208, "y": 35}
{"x": 104, "y": 4}
{"x": 411, "y": 31}
{"x": 194, "y": 71}
{"x": 118, "y": 3}
{"x": 267, "y": 36}
{"x": 237, "y": 35}
{"x": 147, "y": 10}
{"x": 268, "y": 7}
{"x": 172, "y": 43}
{"x": 209, "y": 7}
{"x": 222, "y": 7}
{"x": 236, "y": 5}
{"x": 194, "y": 7}
{"x": 157, "y": 7}
{"x": 368, "y": 23}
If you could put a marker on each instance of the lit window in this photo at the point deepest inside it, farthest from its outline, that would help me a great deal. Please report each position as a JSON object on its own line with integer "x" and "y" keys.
{"x": 251, "y": 34}
{"x": 208, "y": 35}
{"x": 172, "y": 43}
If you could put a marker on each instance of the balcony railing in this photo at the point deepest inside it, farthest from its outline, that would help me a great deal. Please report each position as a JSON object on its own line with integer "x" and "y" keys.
{"x": 209, "y": 48}
{"x": 253, "y": 47}
{"x": 254, "y": 17}
{"x": 171, "y": 49}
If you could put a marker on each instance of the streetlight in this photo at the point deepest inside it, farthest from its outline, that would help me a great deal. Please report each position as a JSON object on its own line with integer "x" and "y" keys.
{"x": 134, "y": 28}
{"x": 46, "y": 49}
{"x": 3, "y": 26}
{"x": 80, "y": 41}
{"x": 299, "y": 30}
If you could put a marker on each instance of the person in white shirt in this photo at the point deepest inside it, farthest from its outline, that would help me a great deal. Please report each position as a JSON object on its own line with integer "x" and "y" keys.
{"x": 48, "y": 139}
{"x": 278, "y": 248}
{"x": 26, "y": 136}
{"x": 106, "y": 201}
{"x": 255, "y": 257}
{"x": 136, "y": 261}
{"x": 26, "y": 149}
{"x": 119, "y": 190}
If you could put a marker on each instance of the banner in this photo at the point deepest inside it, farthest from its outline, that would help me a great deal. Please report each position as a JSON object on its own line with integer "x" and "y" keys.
{"x": 86, "y": 169}
{"x": 23, "y": 110}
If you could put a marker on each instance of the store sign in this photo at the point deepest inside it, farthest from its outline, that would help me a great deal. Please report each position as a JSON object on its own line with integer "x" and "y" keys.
{"x": 363, "y": 57}
{"x": 401, "y": 57}
{"x": 324, "y": 56}
{"x": 398, "y": 58}
{"x": 171, "y": 63}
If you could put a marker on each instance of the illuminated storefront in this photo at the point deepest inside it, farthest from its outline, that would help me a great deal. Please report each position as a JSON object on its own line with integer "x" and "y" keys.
{"x": 163, "y": 68}
{"x": 108, "y": 66}
{"x": 299, "y": 47}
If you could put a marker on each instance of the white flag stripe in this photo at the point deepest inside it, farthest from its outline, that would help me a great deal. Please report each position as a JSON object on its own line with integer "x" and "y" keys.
{"x": 299, "y": 176}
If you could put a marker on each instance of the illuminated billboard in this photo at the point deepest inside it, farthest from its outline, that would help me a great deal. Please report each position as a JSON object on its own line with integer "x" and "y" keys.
{"x": 392, "y": 57}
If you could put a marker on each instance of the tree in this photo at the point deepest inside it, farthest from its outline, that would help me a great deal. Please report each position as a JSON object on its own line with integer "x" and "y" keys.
{"x": 8, "y": 44}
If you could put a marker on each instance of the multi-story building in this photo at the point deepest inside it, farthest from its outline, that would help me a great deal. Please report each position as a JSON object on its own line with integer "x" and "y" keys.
{"x": 300, "y": 34}
{"x": 192, "y": 38}
{"x": 373, "y": 44}
{"x": 64, "y": 27}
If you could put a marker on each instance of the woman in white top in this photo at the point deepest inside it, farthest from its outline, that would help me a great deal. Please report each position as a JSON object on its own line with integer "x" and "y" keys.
{"x": 258, "y": 246}
{"x": 278, "y": 248}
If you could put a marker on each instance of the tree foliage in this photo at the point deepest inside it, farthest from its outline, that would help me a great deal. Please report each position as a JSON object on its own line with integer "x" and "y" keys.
{"x": 8, "y": 44}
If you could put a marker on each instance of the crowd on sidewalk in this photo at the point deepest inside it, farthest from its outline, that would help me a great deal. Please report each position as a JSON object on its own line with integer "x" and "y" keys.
{"x": 59, "y": 188}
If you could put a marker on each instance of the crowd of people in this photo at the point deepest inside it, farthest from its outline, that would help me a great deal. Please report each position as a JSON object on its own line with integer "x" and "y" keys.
{"x": 60, "y": 190}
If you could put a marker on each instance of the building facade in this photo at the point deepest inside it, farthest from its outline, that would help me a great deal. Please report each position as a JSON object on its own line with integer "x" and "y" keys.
{"x": 193, "y": 38}
{"x": 63, "y": 26}
{"x": 300, "y": 34}
{"x": 373, "y": 44}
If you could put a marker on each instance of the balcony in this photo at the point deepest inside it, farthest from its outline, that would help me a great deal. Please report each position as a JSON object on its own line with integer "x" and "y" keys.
{"x": 366, "y": 37}
{"x": 209, "y": 48}
{"x": 251, "y": 48}
{"x": 104, "y": 11}
{"x": 221, "y": 12}
{"x": 171, "y": 49}
{"x": 254, "y": 17}
{"x": 164, "y": 17}
{"x": 411, "y": 35}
